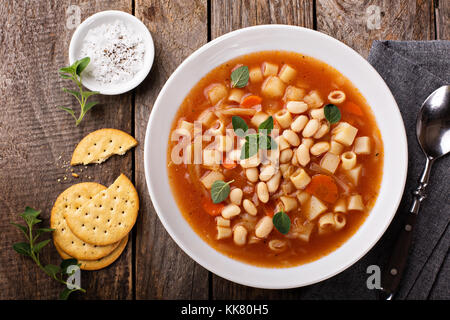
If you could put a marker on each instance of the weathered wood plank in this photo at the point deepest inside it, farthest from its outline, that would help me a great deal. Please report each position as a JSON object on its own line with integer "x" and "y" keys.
{"x": 225, "y": 17}
{"x": 442, "y": 11}
{"x": 37, "y": 140}
{"x": 358, "y": 23}
{"x": 163, "y": 271}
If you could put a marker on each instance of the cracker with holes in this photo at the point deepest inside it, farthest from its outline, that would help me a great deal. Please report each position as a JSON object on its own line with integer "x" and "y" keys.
{"x": 67, "y": 203}
{"x": 101, "y": 144}
{"x": 100, "y": 263}
{"x": 108, "y": 216}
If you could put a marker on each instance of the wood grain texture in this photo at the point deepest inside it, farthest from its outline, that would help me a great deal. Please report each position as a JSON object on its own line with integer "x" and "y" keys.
{"x": 230, "y": 15}
{"x": 442, "y": 9}
{"x": 37, "y": 140}
{"x": 355, "y": 22}
{"x": 163, "y": 270}
{"x": 225, "y": 17}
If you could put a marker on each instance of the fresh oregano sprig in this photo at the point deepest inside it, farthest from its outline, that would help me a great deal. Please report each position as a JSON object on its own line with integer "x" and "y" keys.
{"x": 73, "y": 73}
{"x": 33, "y": 247}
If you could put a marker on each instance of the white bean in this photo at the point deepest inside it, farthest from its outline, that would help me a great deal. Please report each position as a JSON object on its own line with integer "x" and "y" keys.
{"x": 250, "y": 207}
{"x": 311, "y": 128}
{"x": 240, "y": 235}
{"x": 262, "y": 192}
{"x": 299, "y": 123}
{"x": 291, "y": 137}
{"x": 286, "y": 155}
{"x": 274, "y": 182}
{"x": 231, "y": 211}
{"x": 302, "y": 154}
{"x": 319, "y": 148}
{"x": 264, "y": 227}
{"x": 296, "y": 107}
{"x": 266, "y": 173}
{"x": 252, "y": 174}
{"x": 236, "y": 196}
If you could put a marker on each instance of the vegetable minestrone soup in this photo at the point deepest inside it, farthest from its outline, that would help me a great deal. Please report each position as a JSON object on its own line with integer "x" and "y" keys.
{"x": 275, "y": 159}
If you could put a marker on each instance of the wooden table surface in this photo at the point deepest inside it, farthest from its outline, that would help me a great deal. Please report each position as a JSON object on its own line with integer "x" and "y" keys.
{"x": 37, "y": 138}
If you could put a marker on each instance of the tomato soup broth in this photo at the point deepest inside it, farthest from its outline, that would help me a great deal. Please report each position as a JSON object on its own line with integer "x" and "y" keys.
{"x": 325, "y": 202}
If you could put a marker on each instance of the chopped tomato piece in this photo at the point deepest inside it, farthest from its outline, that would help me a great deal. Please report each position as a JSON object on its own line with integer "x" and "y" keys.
{"x": 213, "y": 209}
{"x": 352, "y": 108}
{"x": 231, "y": 165}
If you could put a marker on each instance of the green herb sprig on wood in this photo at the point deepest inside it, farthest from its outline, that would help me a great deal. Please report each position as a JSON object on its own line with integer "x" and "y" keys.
{"x": 32, "y": 248}
{"x": 73, "y": 73}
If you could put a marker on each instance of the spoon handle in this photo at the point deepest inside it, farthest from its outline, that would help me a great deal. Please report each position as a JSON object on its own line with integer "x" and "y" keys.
{"x": 394, "y": 271}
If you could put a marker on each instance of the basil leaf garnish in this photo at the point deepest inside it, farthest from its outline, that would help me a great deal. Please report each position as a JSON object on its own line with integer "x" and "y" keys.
{"x": 332, "y": 113}
{"x": 282, "y": 222}
{"x": 239, "y": 77}
{"x": 240, "y": 127}
{"x": 220, "y": 190}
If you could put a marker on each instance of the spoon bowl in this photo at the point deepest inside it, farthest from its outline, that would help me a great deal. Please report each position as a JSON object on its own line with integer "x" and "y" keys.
{"x": 433, "y": 124}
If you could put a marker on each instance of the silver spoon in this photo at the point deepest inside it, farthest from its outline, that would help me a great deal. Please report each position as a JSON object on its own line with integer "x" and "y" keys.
{"x": 433, "y": 134}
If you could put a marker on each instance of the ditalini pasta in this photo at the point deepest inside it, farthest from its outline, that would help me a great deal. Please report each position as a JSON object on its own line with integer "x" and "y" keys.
{"x": 312, "y": 176}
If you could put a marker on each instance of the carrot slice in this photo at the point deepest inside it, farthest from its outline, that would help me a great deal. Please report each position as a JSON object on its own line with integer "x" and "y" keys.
{"x": 213, "y": 209}
{"x": 250, "y": 101}
{"x": 231, "y": 165}
{"x": 352, "y": 108}
{"x": 323, "y": 187}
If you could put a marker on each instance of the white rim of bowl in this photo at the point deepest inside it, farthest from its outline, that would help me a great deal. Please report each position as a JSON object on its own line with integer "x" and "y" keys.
{"x": 148, "y": 39}
{"x": 241, "y": 280}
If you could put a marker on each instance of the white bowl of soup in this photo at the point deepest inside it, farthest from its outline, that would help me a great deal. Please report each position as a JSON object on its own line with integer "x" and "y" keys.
{"x": 275, "y": 156}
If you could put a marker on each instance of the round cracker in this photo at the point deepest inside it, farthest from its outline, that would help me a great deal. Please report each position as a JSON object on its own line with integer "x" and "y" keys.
{"x": 109, "y": 216}
{"x": 101, "y": 144}
{"x": 100, "y": 263}
{"x": 66, "y": 204}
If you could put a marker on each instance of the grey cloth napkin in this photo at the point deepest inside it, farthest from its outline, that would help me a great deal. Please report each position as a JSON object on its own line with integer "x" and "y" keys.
{"x": 412, "y": 70}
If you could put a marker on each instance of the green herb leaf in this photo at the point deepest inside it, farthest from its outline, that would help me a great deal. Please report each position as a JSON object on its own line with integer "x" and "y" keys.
{"x": 240, "y": 127}
{"x": 220, "y": 190}
{"x": 22, "y": 248}
{"x": 332, "y": 113}
{"x": 266, "y": 142}
{"x": 32, "y": 249}
{"x": 72, "y": 92}
{"x": 250, "y": 147}
{"x": 82, "y": 64}
{"x": 38, "y": 246}
{"x": 64, "y": 295}
{"x": 30, "y": 216}
{"x": 21, "y": 228}
{"x": 72, "y": 113}
{"x": 87, "y": 94}
{"x": 282, "y": 222}
{"x": 52, "y": 270}
{"x": 89, "y": 105}
{"x": 239, "y": 77}
{"x": 66, "y": 263}
{"x": 266, "y": 126}
{"x": 73, "y": 73}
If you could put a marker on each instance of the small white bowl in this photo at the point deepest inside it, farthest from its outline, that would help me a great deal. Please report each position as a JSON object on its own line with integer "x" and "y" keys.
{"x": 319, "y": 46}
{"x": 109, "y": 17}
